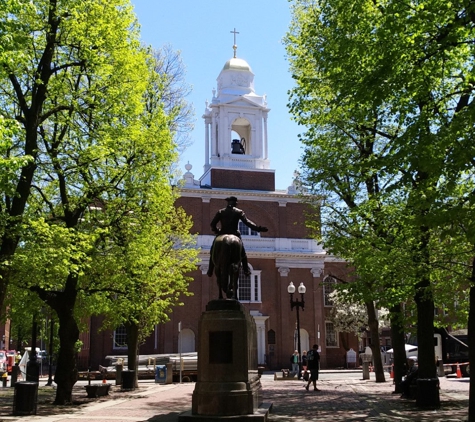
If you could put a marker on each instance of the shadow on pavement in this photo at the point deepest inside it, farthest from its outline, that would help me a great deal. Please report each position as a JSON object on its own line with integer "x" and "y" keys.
{"x": 169, "y": 417}
{"x": 344, "y": 403}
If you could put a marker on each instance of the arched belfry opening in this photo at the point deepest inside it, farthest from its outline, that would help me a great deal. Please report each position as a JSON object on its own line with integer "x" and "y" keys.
{"x": 241, "y": 136}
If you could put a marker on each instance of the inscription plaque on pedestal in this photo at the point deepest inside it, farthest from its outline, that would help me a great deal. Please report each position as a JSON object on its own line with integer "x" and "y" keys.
{"x": 224, "y": 352}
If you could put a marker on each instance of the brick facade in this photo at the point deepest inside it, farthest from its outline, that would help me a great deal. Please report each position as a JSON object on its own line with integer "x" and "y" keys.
{"x": 284, "y": 254}
{"x": 249, "y": 180}
{"x": 284, "y": 222}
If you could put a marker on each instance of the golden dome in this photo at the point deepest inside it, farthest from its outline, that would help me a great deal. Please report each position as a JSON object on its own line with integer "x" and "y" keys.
{"x": 237, "y": 64}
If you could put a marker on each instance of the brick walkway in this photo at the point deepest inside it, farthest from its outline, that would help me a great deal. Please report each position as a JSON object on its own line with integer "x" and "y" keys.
{"x": 358, "y": 400}
{"x": 340, "y": 399}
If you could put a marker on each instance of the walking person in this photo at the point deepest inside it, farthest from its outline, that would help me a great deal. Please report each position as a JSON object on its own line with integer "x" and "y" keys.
{"x": 313, "y": 364}
{"x": 294, "y": 360}
{"x": 304, "y": 365}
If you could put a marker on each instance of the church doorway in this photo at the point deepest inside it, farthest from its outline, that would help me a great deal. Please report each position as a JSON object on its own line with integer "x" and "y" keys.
{"x": 187, "y": 340}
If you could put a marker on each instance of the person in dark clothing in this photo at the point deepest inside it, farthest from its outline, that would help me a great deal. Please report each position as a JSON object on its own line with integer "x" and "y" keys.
{"x": 304, "y": 365}
{"x": 294, "y": 360}
{"x": 410, "y": 378}
{"x": 229, "y": 218}
{"x": 313, "y": 364}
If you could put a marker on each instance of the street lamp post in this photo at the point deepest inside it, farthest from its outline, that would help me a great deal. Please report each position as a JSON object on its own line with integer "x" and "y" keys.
{"x": 50, "y": 357}
{"x": 297, "y": 304}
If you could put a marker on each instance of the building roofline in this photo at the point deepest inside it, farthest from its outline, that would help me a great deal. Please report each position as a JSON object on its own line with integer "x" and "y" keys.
{"x": 243, "y": 195}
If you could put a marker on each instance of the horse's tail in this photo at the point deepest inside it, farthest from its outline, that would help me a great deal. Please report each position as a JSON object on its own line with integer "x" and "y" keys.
{"x": 227, "y": 251}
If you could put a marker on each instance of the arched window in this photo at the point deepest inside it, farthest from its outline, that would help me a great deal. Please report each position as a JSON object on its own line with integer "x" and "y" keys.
{"x": 249, "y": 286}
{"x": 271, "y": 337}
{"x": 328, "y": 288}
{"x": 120, "y": 338}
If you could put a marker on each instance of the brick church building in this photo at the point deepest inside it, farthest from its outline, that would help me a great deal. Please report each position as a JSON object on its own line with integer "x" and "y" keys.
{"x": 236, "y": 163}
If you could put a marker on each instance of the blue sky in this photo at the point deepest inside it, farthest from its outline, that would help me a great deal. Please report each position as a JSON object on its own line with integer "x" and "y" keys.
{"x": 201, "y": 31}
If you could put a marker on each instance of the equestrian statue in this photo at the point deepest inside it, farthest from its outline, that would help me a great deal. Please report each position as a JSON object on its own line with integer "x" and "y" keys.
{"x": 227, "y": 252}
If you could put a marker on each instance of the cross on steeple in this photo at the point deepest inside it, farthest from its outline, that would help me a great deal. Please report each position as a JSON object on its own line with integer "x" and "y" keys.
{"x": 234, "y": 46}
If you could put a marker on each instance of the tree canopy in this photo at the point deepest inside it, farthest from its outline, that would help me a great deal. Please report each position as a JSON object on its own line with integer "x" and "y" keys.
{"x": 89, "y": 148}
{"x": 384, "y": 91}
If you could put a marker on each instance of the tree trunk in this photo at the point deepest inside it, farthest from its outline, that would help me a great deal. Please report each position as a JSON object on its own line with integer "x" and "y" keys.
{"x": 344, "y": 341}
{"x": 471, "y": 347}
{"x": 425, "y": 326}
{"x": 425, "y": 329}
{"x": 374, "y": 332}
{"x": 132, "y": 348}
{"x": 66, "y": 370}
{"x": 398, "y": 341}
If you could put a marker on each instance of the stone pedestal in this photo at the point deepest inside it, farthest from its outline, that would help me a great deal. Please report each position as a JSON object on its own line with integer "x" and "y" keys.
{"x": 228, "y": 383}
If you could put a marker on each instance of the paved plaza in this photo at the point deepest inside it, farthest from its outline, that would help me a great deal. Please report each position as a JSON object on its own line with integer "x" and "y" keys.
{"x": 343, "y": 396}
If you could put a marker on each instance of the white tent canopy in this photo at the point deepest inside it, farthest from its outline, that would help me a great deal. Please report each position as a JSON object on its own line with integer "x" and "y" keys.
{"x": 409, "y": 348}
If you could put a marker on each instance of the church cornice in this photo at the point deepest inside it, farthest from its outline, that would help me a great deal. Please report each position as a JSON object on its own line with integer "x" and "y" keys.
{"x": 290, "y": 258}
{"x": 281, "y": 260}
{"x": 213, "y": 193}
{"x": 284, "y": 250}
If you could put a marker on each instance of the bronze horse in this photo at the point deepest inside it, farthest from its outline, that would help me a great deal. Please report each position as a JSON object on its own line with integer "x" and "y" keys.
{"x": 226, "y": 257}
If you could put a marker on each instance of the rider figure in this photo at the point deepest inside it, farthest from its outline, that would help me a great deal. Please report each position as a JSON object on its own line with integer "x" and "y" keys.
{"x": 229, "y": 218}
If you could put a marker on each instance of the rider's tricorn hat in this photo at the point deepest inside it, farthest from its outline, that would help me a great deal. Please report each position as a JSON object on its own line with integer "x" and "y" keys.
{"x": 231, "y": 199}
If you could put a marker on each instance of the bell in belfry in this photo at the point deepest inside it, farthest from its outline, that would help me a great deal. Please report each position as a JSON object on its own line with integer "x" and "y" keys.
{"x": 238, "y": 146}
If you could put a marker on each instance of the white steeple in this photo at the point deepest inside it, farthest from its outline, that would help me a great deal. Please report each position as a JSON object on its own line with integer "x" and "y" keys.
{"x": 235, "y": 121}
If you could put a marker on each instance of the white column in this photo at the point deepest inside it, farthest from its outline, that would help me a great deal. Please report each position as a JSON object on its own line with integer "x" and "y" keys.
{"x": 214, "y": 145}
{"x": 260, "y": 321}
{"x": 226, "y": 148}
{"x": 259, "y": 151}
{"x": 261, "y": 344}
{"x": 206, "y": 142}
{"x": 221, "y": 134}
{"x": 265, "y": 137}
